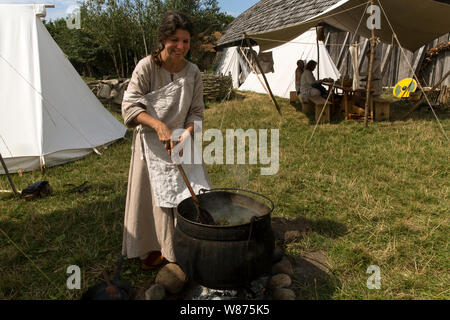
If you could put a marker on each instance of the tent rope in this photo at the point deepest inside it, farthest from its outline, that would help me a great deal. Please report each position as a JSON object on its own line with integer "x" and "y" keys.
{"x": 4, "y": 142}
{"x": 254, "y": 70}
{"x": 229, "y": 91}
{"x": 340, "y": 72}
{"x": 32, "y": 262}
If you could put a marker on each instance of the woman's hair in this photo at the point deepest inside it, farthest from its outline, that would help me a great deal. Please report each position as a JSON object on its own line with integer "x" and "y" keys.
{"x": 170, "y": 23}
{"x": 310, "y": 65}
{"x": 302, "y": 64}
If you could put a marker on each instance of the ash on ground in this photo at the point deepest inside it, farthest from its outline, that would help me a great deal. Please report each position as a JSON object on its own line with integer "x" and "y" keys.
{"x": 255, "y": 291}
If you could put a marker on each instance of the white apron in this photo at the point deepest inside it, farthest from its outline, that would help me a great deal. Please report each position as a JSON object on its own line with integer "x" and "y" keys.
{"x": 170, "y": 104}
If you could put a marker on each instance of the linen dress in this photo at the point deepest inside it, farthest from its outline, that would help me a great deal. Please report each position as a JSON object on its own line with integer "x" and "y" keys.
{"x": 307, "y": 80}
{"x": 148, "y": 227}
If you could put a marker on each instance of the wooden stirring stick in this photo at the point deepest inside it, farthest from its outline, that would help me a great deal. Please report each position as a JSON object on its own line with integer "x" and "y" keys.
{"x": 204, "y": 216}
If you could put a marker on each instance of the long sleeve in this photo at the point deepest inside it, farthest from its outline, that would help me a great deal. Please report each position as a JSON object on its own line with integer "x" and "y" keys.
{"x": 307, "y": 80}
{"x": 139, "y": 86}
{"x": 197, "y": 107}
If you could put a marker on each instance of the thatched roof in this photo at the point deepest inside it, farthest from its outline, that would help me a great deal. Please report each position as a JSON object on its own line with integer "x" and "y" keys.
{"x": 269, "y": 15}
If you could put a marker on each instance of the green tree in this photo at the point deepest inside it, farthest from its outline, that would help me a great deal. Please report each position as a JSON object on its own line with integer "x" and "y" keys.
{"x": 116, "y": 34}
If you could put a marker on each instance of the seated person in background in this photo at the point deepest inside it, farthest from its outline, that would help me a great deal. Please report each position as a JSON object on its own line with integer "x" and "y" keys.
{"x": 309, "y": 87}
{"x": 298, "y": 75}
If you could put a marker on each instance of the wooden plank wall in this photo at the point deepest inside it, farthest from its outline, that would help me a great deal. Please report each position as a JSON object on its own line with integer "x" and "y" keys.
{"x": 395, "y": 66}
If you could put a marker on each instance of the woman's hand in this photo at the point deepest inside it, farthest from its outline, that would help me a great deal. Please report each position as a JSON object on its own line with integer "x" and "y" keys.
{"x": 165, "y": 136}
{"x": 163, "y": 132}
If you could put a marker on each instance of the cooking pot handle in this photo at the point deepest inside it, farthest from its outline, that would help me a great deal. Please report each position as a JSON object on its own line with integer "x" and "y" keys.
{"x": 201, "y": 191}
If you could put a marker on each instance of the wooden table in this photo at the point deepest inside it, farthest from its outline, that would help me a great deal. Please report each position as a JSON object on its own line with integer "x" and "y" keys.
{"x": 348, "y": 92}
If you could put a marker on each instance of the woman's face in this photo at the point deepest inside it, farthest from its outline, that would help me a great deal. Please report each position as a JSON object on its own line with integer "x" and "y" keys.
{"x": 177, "y": 46}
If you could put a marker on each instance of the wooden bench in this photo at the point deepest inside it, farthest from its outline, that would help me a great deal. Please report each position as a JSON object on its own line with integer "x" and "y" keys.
{"x": 293, "y": 98}
{"x": 381, "y": 108}
{"x": 318, "y": 103}
{"x": 307, "y": 106}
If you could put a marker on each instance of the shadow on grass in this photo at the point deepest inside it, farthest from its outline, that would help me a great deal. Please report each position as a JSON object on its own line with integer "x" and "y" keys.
{"x": 397, "y": 111}
{"x": 288, "y": 230}
{"x": 88, "y": 235}
{"x": 312, "y": 277}
{"x": 400, "y": 108}
{"x": 336, "y": 116}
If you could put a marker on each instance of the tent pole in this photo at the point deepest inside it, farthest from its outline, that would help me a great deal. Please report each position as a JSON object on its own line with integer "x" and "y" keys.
{"x": 369, "y": 78}
{"x": 262, "y": 73}
{"x": 318, "y": 59}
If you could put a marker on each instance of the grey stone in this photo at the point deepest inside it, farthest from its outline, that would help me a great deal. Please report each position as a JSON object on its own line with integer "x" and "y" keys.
{"x": 114, "y": 93}
{"x": 281, "y": 280}
{"x": 104, "y": 91}
{"x": 283, "y": 294}
{"x": 155, "y": 292}
{"x": 172, "y": 278}
{"x": 283, "y": 266}
{"x": 277, "y": 254}
{"x": 112, "y": 83}
{"x": 119, "y": 96}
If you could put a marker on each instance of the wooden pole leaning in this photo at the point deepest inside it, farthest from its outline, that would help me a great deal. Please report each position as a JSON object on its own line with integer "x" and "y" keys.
{"x": 318, "y": 54}
{"x": 262, "y": 73}
{"x": 254, "y": 70}
{"x": 369, "y": 78}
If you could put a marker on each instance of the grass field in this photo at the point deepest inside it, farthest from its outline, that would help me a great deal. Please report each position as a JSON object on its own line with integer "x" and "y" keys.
{"x": 372, "y": 196}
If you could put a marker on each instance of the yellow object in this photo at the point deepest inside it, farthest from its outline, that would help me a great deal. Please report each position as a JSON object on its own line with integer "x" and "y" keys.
{"x": 404, "y": 87}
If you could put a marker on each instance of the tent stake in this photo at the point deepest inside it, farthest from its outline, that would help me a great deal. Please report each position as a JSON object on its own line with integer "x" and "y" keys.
{"x": 264, "y": 76}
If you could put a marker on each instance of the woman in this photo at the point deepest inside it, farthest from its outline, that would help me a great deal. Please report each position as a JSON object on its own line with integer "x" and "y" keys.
{"x": 165, "y": 94}
{"x": 309, "y": 87}
{"x": 298, "y": 75}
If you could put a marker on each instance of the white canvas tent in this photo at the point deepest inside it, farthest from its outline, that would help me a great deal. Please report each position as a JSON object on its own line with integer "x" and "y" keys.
{"x": 232, "y": 63}
{"x": 285, "y": 58}
{"x": 48, "y": 115}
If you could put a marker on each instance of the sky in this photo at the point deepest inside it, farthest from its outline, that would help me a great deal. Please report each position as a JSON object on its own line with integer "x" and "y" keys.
{"x": 63, "y": 7}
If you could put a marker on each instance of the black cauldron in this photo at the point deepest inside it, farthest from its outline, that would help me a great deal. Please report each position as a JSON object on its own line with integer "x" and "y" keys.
{"x": 229, "y": 256}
